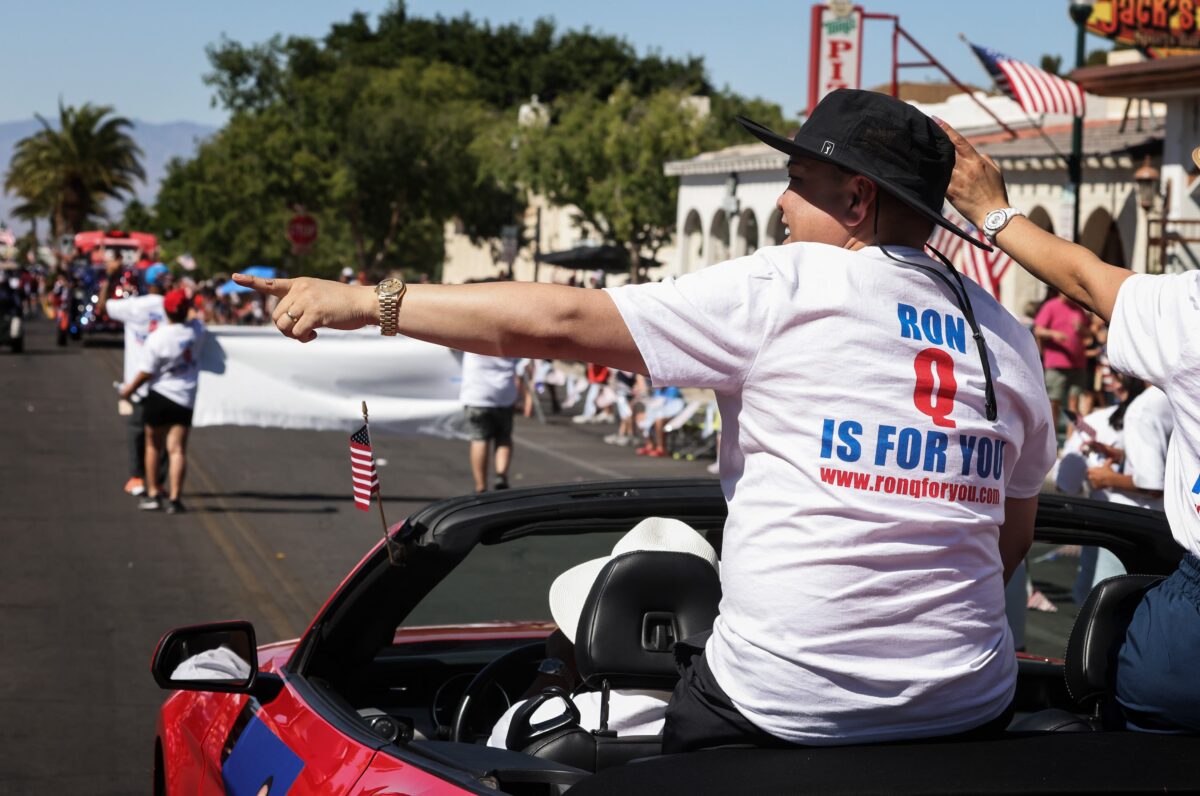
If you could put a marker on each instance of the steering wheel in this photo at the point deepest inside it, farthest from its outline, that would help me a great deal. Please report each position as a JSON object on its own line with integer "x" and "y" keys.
{"x": 521, "y": 656}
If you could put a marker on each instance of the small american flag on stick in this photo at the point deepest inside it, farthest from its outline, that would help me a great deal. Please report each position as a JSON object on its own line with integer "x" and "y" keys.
{"x": 362, "y": 469}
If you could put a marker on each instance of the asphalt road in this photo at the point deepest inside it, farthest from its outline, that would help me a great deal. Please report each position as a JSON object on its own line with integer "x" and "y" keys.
{"x": 88, "y": 583}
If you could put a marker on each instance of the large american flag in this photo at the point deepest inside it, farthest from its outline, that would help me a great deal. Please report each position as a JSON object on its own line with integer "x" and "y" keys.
{"x": 362, "y": 469}
{"x": 1035, "y": 90}
{"x": 985, "y": 269}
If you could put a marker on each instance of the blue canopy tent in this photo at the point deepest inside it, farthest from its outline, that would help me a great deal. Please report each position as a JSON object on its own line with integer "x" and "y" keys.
{"x": 264, "y": 271}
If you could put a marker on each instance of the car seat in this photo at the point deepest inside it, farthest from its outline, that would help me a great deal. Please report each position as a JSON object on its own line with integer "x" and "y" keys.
{"x": 640, "y": 604}
{"x": 1091, "y": 656}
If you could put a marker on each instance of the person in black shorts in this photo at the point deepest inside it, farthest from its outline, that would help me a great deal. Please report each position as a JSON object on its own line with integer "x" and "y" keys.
{"x": 171, "y": 365}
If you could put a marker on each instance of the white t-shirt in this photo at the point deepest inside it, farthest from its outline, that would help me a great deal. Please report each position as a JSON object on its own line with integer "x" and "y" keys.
{"x": 171, "y": 356}
{"x": 1148, "y": 429}
{"x": 1153, "y": 335}
{"x": 141, "y": 316}
{"x": 630, "y": 712}
{"x": 488, "y": 381}
{"x": 863, "y": 585}
{"x": 1143, "y": 438}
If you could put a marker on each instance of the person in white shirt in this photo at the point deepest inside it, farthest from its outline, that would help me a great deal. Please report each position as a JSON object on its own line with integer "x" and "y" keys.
{"x": 882, "y": 486}
{"x": 488, "y": 392}
{"x": 141, "y": 315}
{"x": 631, "y": 711}
{"x": 1120, "y": 452}
{"x": 1153, "y": 323}
{"x": 170, "y": 366}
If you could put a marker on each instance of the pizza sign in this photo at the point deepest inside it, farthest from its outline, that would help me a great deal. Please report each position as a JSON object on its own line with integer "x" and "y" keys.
{"x": 1158, "y": 24}
{"x": 835, "y": 50}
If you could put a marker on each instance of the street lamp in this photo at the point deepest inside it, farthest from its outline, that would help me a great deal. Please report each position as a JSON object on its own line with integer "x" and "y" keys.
{"x": 1146, "y": 185}
{"x": 1080, "y": 11}
{"x": 1145, "y": 180}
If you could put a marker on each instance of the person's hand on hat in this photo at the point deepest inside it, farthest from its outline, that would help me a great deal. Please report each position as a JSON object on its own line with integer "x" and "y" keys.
{"x": 307, "y": 304}
{"x": 977, "y": 186}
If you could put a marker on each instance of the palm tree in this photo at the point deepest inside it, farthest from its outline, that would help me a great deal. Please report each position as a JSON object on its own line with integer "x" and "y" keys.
{"x": 68, "y": 172}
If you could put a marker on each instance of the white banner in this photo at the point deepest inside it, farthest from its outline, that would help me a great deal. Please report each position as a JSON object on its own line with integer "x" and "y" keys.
{"x": 257, "y": 377}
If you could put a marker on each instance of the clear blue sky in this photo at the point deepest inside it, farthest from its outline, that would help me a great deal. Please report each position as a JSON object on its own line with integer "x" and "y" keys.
{"x": 146, "y": 57}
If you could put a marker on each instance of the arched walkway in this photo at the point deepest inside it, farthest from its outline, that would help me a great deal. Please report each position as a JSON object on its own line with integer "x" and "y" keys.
{"x": 747, "y": 234}
{"x": 776, "y": 231}
{"x": 692, "y": 249}
{"x": 1021, "y": 291}
{"x": 1100, "y": 234}
{"x": 1040, "y": 216}
{"x": 718, "y": 238}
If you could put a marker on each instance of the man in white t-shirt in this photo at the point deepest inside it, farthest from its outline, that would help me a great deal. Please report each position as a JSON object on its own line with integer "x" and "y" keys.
{"x": 141, "y": 315}
{"x": 170, "y": 366}
{"x": 1153, "y": 323}
{"x": 488, "y": 392}
{"x": 881, "y": 484}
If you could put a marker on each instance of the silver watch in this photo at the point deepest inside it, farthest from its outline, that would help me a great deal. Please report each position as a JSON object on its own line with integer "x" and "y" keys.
{"x": 997, "y": 220}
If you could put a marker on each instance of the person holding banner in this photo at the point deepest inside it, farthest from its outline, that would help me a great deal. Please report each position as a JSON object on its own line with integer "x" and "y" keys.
{"x": 882, "y": 486}
{"x": 1154, "y": 326}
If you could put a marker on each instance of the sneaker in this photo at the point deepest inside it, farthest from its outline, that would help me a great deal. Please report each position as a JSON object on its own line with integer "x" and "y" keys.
{"x": 658, "y": 453}
{"x": 175, "y": 507}
{"x": 150, "y": 503}
{"x": 580, "y": 419}
{"x": 616, "y": 439}
{"x": 714, "y": 468}
{"x": 501, "y": 482}
{"x": 135, "y": 487}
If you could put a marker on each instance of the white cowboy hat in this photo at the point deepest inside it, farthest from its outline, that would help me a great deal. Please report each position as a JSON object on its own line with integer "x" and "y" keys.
{"x": 570, "y": 589}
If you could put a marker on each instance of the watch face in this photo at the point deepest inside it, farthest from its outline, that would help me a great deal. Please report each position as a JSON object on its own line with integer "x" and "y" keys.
{"x": 994, "y": 219}
{"x": 389, "y": 287}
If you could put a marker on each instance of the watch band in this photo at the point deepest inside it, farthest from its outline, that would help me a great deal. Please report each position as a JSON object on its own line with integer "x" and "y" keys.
{"x": 389, "y": 314}
{"x": 991, "y": 230}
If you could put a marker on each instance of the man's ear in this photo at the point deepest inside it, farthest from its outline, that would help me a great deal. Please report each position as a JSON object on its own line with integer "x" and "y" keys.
{"x": 862, "y": 194}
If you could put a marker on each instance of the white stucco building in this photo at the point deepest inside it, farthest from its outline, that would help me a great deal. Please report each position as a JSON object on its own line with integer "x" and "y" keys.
{"x": 727, "y": 198}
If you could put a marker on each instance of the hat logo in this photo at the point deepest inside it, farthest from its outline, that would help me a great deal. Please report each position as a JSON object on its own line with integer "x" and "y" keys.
{"x": 827, "y": 148}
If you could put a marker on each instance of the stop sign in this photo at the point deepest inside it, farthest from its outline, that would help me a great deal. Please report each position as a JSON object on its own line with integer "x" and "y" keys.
{"x": 302, "y": 230}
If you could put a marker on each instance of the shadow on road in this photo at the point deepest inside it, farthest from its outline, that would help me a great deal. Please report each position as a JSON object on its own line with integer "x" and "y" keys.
{"x": 254, "y": 510}
{"x": 312, "y": 497}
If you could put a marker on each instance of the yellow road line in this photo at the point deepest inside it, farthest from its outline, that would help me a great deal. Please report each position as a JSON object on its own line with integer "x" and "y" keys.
{"x": 263, "y": 598}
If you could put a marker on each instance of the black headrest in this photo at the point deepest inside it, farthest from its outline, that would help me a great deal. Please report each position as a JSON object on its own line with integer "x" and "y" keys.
{"x": 1097, "y": 635}
{"x": 639, "y": 606}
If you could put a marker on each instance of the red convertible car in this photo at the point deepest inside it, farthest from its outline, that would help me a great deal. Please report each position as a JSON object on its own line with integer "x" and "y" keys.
{"x": 397, "y": 682}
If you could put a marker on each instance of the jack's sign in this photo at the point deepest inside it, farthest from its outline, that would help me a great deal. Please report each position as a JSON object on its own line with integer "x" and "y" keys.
{"x": 1148, "y": 24}
{"x": 836, "y": 50}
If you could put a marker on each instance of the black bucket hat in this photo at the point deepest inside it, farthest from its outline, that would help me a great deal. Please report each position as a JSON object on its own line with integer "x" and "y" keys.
{"x": 888, "y": 141}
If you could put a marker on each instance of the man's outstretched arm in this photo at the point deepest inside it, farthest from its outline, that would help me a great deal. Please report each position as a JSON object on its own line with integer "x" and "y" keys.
{"x": 494, "y": 318}
{"x": 977, "y": 188}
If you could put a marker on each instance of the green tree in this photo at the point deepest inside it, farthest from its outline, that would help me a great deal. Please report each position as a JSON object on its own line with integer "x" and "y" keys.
{"x": 67, "y": 172}
{"x": 606, "y": 158}
{"x": 382, "y": 157}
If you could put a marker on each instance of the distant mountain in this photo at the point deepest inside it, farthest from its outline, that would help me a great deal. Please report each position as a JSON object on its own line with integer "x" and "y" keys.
{"x": 159, "y": 143}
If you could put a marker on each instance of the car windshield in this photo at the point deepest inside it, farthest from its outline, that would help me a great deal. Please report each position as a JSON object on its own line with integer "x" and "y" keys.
{"x": 508, "y": 581}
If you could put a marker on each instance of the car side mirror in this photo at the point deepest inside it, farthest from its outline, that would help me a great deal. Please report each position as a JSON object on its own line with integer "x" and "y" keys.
{"x": 217, "y": 656}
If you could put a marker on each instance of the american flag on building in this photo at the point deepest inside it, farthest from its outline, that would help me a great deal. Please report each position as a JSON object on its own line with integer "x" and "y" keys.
{"x": 362, "y": 469}
{"x": 1035, "y": 90}
{"x": 985, "y": 269}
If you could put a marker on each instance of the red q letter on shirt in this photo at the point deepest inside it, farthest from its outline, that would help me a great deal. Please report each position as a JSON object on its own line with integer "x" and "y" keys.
{"x": 928, "y": 361}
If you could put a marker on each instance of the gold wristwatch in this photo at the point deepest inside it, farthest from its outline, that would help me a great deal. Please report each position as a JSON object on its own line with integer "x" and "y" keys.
{"x": 391, "y": 293}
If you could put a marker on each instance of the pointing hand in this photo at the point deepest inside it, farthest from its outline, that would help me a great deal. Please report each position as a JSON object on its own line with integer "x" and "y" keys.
{"x": 307, "y": 304}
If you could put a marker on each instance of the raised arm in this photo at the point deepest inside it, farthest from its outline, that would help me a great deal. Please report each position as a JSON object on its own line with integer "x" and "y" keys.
{"x": 519, "y": 319}
{"x": 977, "y": 188}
